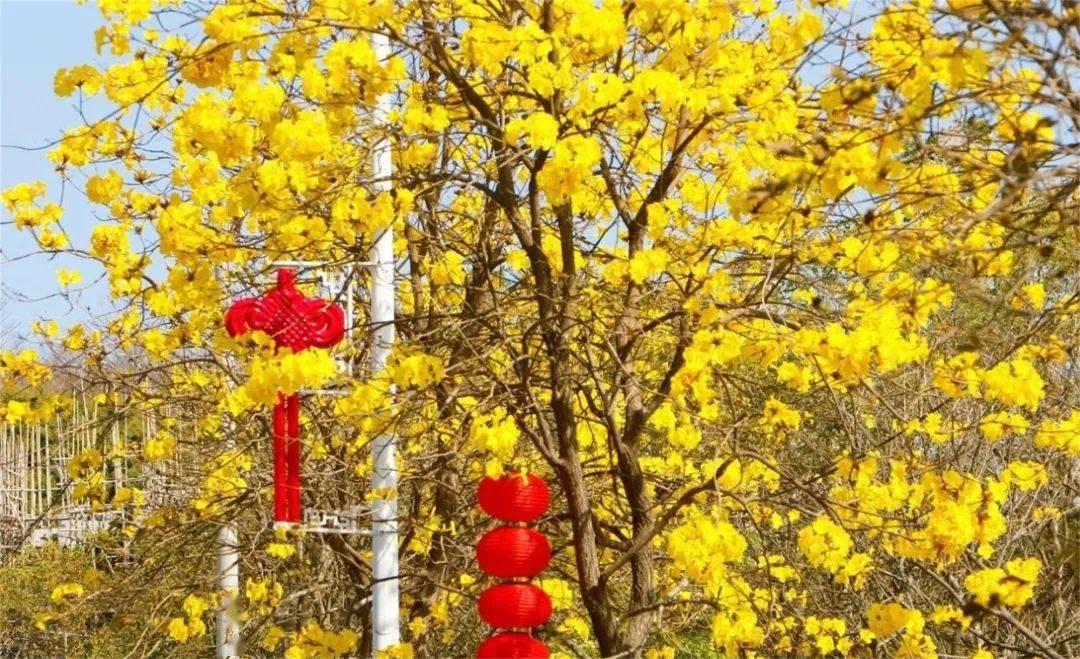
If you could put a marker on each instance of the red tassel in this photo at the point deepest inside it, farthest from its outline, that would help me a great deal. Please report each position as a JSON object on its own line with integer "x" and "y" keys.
{"x": 281, "y": 499}
{"x": 292, "y": 459}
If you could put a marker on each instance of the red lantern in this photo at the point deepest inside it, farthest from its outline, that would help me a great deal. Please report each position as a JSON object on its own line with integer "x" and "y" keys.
{"x": 515, "y": 605}
{"x": 517, "y": 553}
{"x": 512, "y": 645}
{"x": 514, "y": 497}
{"x": 513, "y": 551}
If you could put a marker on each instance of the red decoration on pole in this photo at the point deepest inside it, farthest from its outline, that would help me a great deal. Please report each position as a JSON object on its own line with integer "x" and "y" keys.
{"x": 515, "y": 553}
{"x": 293, "y": 319}
{"x": 297, "y": 322}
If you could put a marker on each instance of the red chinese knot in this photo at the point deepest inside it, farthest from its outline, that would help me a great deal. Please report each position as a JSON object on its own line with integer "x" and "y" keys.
{"x": 297, "y": 322}
{"x": 293, "y": 319}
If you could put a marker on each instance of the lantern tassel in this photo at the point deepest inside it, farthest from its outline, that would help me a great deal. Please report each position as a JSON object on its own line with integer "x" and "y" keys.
{"x": 281, "y": 512}
{"x": 292, "y": 457}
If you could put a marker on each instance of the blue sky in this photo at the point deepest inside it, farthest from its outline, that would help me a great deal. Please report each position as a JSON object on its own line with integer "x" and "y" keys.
{"x": 36, "y": 38}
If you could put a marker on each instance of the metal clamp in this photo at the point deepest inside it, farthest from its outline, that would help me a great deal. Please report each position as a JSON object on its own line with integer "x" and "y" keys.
{"x": 332, "y": 523}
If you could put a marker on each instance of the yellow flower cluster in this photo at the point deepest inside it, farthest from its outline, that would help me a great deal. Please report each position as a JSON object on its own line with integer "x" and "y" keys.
{"x": 778, "y": 420}
{"x": 878, "y": 343}
{"x": 568, "y": 174}
{"x": 104, "y": 189}
{"x": 935, "y": 427}
{"x": 704, "y": 547}
{"x": 540, "y": 129}
{"x": 495, "y": 433}
{"x": 281, "y": 550}
{"x": 84, "y": 468}
{"x": 23, "y": 368}
{"x": 138, "y": 79}
{"x": 354, "y": 213}
{"x": 1012, "y": 586}
{"x": 415, "y": 369}
{"x": 448, "y": 270}
{"x": 159, "y": 447}
{"x": 285, "y": 373}
{"x": 1063, "y": 435}
{"x": 647, "y": 263}
{"x": 949, "y": 510}
{"x": 1014, "y": 383}
{"x": 828, "y": 545}
{"x": 960, "y": 511}
{"x": 65, "y": 593}
{"x": 946, "y": 614}
{"x": 231, "y": 24}
{"x": 110, "y": 244}
{"x": 224, "y": 482}
{"x": 996, "y": 425}
{"x": 736, "y": 627}
{"x": 128, "y": 496}
{"x": 302, "y": 139}
{"x": 263, "y": 595}
{"x": 884, "y": 620}
{"x": 1025, "y": 475}
{"x": 365, "y": 409}
{"x": 160, "y": 345}
{"x": 16, "y": 410}
{"x": 905, "y": 44}
{"x": 19, "y": 202}
{"x": 84, "y": 77}
{"x": 680, "y": 432}
{"x": 183, "y": 629}
{"x": 311, "y": 642}
{"x": 397, "y": 651}
{"x": 560, "y": 591}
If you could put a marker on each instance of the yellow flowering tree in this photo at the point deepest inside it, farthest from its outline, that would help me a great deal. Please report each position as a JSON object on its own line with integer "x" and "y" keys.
{"x": 780, "y": 297}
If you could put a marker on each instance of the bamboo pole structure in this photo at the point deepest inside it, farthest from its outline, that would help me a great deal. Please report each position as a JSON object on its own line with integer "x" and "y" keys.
{"x": 36, "y": 495}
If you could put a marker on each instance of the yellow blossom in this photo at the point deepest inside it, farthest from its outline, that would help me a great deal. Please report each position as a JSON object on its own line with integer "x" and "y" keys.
{"x": 1012, "y": 586}
{"x": 66, "y": 592}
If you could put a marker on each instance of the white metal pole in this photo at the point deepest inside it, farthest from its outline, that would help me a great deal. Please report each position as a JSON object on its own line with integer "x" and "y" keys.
{"x": 385, "y": 589}
{"x": 228, "y": 571}
{"x": 228, "y": 568}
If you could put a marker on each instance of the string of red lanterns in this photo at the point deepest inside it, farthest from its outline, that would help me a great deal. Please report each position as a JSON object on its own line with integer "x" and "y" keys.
{"x": 514, "y": 553}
